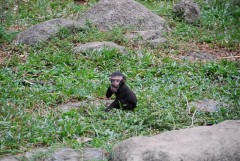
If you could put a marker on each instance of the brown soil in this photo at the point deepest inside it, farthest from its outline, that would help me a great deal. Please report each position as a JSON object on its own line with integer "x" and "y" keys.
{"x": 204, "y": 51}
{"x": 3, "y": 54}
{"x": 81, "y": 2}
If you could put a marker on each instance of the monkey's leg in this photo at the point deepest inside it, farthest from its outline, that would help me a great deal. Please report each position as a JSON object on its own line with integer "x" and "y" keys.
{"x": 126, "y": 105}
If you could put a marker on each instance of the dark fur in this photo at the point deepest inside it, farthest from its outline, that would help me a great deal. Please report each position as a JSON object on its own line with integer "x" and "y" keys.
{"x": 125, "y": 98}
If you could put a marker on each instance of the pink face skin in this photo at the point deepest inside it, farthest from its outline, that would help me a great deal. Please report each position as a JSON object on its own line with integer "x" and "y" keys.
{"x": 115, "y": 81}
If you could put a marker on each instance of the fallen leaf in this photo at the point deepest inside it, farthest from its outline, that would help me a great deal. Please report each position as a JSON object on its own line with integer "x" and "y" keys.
{"x": 83, "y": 140}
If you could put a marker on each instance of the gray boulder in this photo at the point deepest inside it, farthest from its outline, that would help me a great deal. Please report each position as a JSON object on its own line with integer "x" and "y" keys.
{"x": 187, "y": 10}
{"x": 43, "y": 31}
{"x": 219, "y": 142}
{"x": 107, "y": 14}
{"x": 98, "y": 46}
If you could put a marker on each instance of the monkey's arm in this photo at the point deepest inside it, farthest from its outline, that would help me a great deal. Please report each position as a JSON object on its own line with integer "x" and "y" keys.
{"x": 115, "y": 104}
{"x": 109, "y": 92}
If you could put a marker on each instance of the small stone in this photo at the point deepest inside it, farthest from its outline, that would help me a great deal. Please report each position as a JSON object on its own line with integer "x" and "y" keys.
{"x": 187, "y": 10}
{"x": 98, "y": 46}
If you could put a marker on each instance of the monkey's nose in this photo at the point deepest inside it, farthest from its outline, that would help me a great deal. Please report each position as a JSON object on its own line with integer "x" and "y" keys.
{"x": 115, "y": 85}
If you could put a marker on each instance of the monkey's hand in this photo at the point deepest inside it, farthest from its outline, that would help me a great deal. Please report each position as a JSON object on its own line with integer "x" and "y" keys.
{"x": 113, "y": 89}
{"x": 107, "y": 109}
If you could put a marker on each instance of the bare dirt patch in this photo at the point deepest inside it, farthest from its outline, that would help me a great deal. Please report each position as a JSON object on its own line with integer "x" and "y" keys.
{"x": 206, "y": 52}
{"x": 3, "y": 54}
{"x": 49, "y": 154}
{"x": 84, "y": 104}
{"x": 207, "y": 105}
{"x": 2, "y": 57}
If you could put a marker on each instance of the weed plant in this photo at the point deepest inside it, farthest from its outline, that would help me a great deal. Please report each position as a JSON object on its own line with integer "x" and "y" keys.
{"x": 35, "y": 80}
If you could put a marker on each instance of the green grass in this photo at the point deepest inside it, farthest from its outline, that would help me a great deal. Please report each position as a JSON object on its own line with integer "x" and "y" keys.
{"x": 28, "y": 112}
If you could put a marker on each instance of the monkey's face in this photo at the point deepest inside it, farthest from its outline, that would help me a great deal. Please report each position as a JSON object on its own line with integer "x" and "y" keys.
{"x": 116, "y": 81}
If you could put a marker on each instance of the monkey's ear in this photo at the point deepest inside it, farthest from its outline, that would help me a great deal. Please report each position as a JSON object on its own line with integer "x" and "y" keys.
{"x": 124, "y": 78}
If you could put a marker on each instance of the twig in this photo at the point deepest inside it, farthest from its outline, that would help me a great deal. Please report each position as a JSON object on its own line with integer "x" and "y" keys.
{"x": 193, "y": 117}
{"x": 187, "y": 103}
{"x": 28, "y": 82}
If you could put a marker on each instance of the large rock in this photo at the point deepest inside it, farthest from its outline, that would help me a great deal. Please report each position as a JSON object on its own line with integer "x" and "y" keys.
{"x": 43, "y": 31}
{"x": 107, "y": 14}
{"x": 219, "y": 142}
{"x": 187, "y": 10}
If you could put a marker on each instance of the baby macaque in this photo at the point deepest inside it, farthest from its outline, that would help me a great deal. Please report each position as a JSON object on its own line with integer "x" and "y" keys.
{"x": 125, "y": 98}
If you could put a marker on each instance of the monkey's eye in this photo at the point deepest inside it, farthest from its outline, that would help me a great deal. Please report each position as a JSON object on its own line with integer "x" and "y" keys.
{"x": 115, "y": 80}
